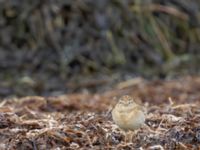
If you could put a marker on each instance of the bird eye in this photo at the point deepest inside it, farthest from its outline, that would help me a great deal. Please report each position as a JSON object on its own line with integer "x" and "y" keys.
{"x": 120, "y": 102}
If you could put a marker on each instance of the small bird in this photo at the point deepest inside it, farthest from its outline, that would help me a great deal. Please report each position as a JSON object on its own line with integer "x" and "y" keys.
{"x": 127, "y": 114}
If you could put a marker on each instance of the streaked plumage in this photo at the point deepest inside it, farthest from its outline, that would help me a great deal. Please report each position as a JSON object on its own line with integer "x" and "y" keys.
{"x": 127, "y": 114}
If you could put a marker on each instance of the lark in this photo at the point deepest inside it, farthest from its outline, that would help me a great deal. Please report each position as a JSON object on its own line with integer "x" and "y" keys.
{"x": 127, "y": 114}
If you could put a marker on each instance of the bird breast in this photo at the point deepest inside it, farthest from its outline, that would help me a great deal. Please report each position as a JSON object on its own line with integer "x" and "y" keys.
{"x": 128, "y": 120}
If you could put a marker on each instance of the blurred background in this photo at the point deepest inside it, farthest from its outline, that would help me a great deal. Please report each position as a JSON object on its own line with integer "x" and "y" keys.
{"x": 53, "y": 47}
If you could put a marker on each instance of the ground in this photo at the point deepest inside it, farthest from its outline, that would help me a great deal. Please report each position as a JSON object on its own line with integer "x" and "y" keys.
{"x": 83, "y": 120}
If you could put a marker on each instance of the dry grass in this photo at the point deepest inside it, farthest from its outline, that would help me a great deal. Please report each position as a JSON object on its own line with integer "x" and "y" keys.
{"x": 83, "y": 121}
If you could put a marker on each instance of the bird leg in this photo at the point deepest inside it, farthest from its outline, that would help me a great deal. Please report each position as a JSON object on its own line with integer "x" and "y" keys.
{"x": 129, "y": 136}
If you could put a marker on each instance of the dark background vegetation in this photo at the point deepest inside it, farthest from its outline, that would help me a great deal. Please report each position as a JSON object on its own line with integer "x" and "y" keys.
{"x": 51, "y": 47}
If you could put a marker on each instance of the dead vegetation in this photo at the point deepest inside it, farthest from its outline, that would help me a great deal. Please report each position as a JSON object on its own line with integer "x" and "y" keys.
{"x": 83, "y": 121}
{"x": 44, "y": 45}
{"x": 85, "y": 47}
